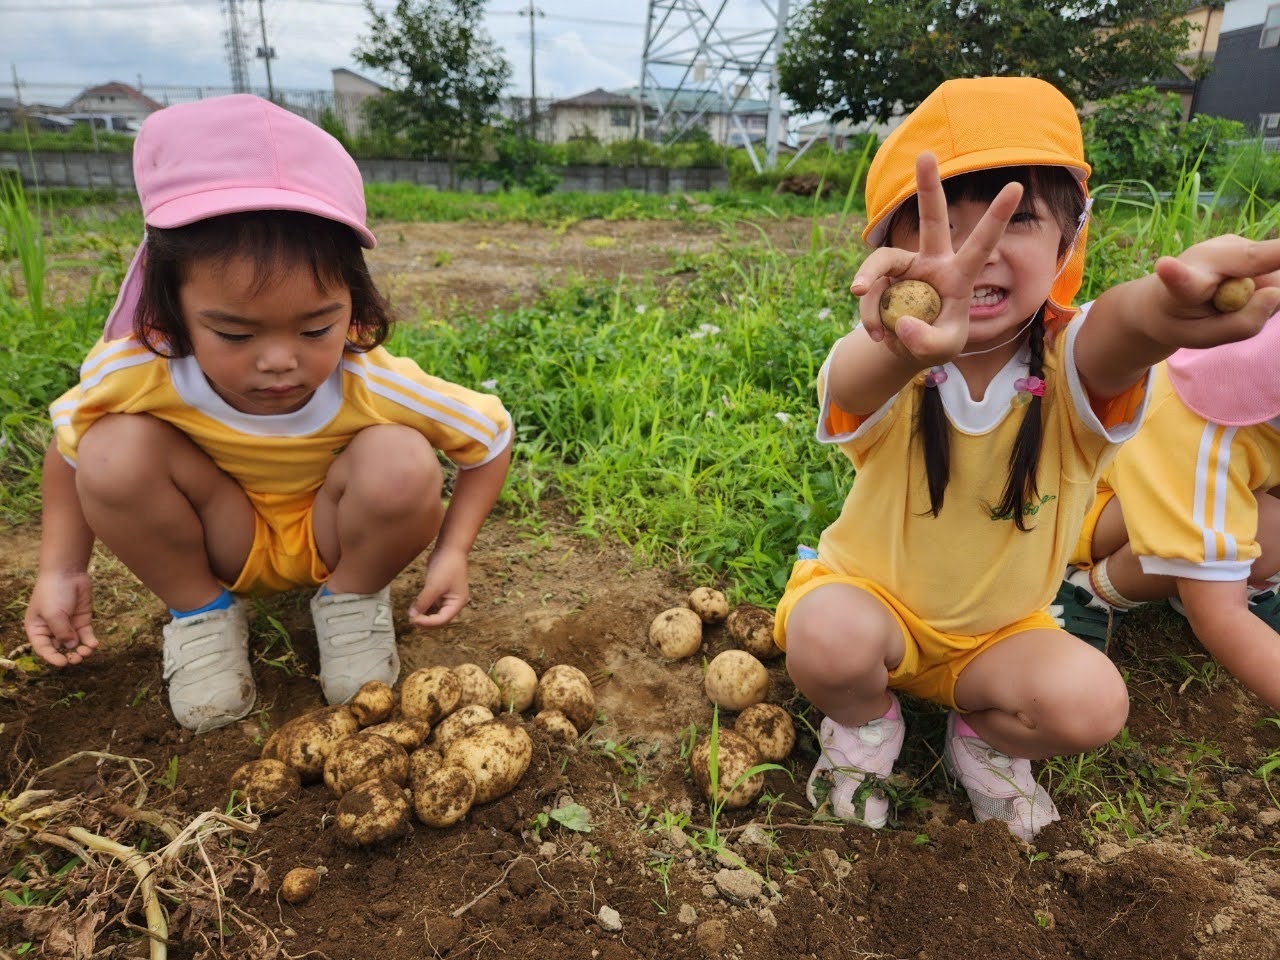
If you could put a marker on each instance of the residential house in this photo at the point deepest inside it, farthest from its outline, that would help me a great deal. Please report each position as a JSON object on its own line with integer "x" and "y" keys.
{"x": 727, "y": 121}
{"x": 599, "y": 114}
{"x": 114, "y": 99}
{"x": 350, "y": 92}
{"x": 1245, "y": 82}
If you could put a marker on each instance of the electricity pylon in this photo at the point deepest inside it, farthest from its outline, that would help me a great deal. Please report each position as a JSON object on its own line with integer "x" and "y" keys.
{"x": 237, "y": 46}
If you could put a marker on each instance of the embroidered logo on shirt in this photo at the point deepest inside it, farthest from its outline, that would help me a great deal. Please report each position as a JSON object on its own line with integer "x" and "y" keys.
{"x": 1028, "y": 509}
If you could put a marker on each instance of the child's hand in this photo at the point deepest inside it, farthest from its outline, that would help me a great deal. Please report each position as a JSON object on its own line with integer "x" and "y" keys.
{"x": 1184, "y": 314}
{"x": 59, "y": 618}
{"x": 445, "y": 591}
{"x": 951, "y": 273}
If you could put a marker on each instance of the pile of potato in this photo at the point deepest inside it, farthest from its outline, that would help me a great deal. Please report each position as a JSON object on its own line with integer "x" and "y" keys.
{"x": 450, "y": 739}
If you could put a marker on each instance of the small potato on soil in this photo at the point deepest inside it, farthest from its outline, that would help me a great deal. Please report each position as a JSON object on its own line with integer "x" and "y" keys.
{"x": 496, "y": 753}
{"x": 676, "y": 633}
{"x": 267, "y": 785}
{"x": 735, "y": 755}
{"x": 517, "y": 682}
{"x": 735, "y": 680}
{"x": 477, "y": 687}
{"x": 557, "y": 725}
{"x": 709, "y": 604}
{"x": 372, "y": 812}
{"x": 372, "y": 703}
{"x": 457, "y": 723}
{"x": 430, "y": 694}
{"x": 909, "y": 298}
{"x": 567, "y": 689}
{"x": 442, "y": 797}
{"x": 752, "y": 628}
{"x": 365, "y": 756}
{"x": 410, "y": 734}
{"x": 304, "y": 742}
{"x": 1233, "y": 294}
{"x": 770, "y": 728}
{"x": 299, "y": 884}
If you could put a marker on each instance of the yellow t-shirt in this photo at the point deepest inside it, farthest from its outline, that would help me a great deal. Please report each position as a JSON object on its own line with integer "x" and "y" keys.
{"x": 967, "y": 572}
{"x": 1189, "y": 489}
{"x": 281, "y": 460}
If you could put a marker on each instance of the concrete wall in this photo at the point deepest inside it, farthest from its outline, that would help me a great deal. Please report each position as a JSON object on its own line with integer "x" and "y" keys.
{"x": 116, "y": 170}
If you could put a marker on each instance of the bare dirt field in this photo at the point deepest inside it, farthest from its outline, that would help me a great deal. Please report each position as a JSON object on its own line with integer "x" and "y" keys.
{"x": 511, "y": 882}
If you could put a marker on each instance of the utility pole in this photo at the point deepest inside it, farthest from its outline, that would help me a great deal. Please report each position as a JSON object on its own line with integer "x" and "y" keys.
{"x": 266, "y": 52}
{"x": 532, "y": 13}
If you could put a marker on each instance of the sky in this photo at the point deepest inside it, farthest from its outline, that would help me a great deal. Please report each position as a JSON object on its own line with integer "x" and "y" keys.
{"x": 56, "y": 48}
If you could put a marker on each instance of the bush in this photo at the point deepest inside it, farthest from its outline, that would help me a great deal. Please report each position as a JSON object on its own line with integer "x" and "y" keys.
{"x": 1247, "y": 172}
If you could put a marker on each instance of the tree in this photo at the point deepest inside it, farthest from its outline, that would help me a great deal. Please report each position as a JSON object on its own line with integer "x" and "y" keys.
{"x": 871, "y": 59}
{"x": 447, "y": 76}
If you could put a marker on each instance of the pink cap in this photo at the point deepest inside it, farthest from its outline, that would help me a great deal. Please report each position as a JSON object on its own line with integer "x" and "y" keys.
{"x": 233, "y": 154}
{"x": 1234, "y": 384}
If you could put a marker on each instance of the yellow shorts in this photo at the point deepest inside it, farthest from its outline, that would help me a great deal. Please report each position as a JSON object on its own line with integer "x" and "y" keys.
{"x": 931, "y": 661}
{"x": 284, "y": 553}
{"x": 1082, "y": 555}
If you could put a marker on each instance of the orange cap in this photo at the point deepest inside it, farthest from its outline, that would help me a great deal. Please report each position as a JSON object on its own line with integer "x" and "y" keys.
{"x": 977, "y": 124}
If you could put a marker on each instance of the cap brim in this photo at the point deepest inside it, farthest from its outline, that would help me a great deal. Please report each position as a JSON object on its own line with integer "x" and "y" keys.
{"x": 216, "y": 203}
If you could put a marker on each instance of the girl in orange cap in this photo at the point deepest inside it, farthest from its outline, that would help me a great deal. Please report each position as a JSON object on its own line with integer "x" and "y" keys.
{"x": 977, "y": 441}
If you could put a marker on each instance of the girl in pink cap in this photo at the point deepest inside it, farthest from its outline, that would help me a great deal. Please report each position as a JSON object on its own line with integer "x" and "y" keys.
{"x": 239, "y": 429}
{"x": 977, "y": 440}
{"x": 1190, "y": 510}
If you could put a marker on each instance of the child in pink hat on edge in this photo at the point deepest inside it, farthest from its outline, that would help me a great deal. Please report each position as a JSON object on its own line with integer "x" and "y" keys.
{"x": 1190, "y": 509}
{"x": 240, "y": 430}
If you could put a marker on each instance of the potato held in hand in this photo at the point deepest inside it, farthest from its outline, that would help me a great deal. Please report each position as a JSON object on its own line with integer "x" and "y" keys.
{"x": 1233, "y": 294}
{"x": 909, "y": 298}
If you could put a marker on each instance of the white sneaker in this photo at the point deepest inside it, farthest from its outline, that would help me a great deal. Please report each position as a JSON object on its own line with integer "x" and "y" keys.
{"x": 853, "y": 763}
{"x": 206, "y": 665}
{"x": 357, "y": 641}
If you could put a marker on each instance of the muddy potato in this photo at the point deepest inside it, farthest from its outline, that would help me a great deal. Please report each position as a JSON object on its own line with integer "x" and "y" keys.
{"x": 517, "y": 682}
{"x": 735, "y": 755}
{"x": 909, "y": 298}
{"x": 709, "y": 604}
{"x": 304, "y": 742}
{"x": 410, "y": 734}
{"x": 496, "y": 754}
{"x": 735, "y": 680}
{"x": 752, "y": 628}
{"x": 430, "y": 694}
{"x": 372, "y": 812}
{"x": 423, "y": 761}
{"x": 372, "y": 703}
{"x": 676, "y": 633}
{"x": 442, "y": 797}
{"x": 557, "y": 725}
{"x": 299, "y": 884}
{"x": 477, "y": 687}
{"x": 266, "y": 785}
{"x": 770, "y": 728}
{"x": 1233, "y": 294}
{"x": 457, "y": 723}
{"x": 365, "y": 756}
{"x": 567, "y": 689}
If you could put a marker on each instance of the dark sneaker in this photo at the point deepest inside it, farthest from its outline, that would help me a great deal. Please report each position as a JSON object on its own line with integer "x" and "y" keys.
{"x": 1080, "y": 612}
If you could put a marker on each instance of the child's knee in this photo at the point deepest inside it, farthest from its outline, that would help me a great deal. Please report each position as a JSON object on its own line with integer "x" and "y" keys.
{"x": 1087, "y": 715}
{"x": 394, "y": 467}
{"x": 117, "y": 452}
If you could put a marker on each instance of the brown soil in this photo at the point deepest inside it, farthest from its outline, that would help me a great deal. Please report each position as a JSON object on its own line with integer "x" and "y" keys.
{"x": 933, "y": 885}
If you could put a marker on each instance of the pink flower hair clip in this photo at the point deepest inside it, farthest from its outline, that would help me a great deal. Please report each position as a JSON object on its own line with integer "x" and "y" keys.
{"x": 1027, "y": 388}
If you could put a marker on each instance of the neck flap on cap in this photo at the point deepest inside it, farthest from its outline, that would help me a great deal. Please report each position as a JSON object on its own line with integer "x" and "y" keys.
{"x": 1233, "y": 384}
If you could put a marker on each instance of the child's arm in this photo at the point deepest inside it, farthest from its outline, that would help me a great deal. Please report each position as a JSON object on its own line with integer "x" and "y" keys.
{"x": 1249, "y": 649}
{"x": 59, "y": 615}
{"x": 1138, "y": 323}
{"x": 444, "y": 592}
{"x": 873, "y": 363}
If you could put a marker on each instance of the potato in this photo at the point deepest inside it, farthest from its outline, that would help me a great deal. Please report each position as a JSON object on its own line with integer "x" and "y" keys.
{"x": 735, "y": 755}
{"x": 372, "y": 703}
{"x": 477, "y": 687}
{"x": 372, "y": 812}
{"x": 516, "y": 682}
{"x": 770, "y": 728}
{"x": 304, "y": 742}
{"x": 423, "y": 761}
{"x": 299, "y": 884}
{"x": 496, "y": 754}
{"x": 909, "y": 298}
{"x": 267, "y": 785}
{"x": 430, "y": 694}
{"x": 556, "y": 725}
{"x": 752, "y": 628}
{"x": 709, "y": 604}
{"x": 1233, "y": 294}
{"x": 735, "y": 680}
{"x": 676, "y": 633}
{"x": 457, "y": 723}
{"x": 410, "y": 734}
{"x": 366, "y": 756}
{"x": 442, "y": 797}
{"x": 567, "y": 689}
